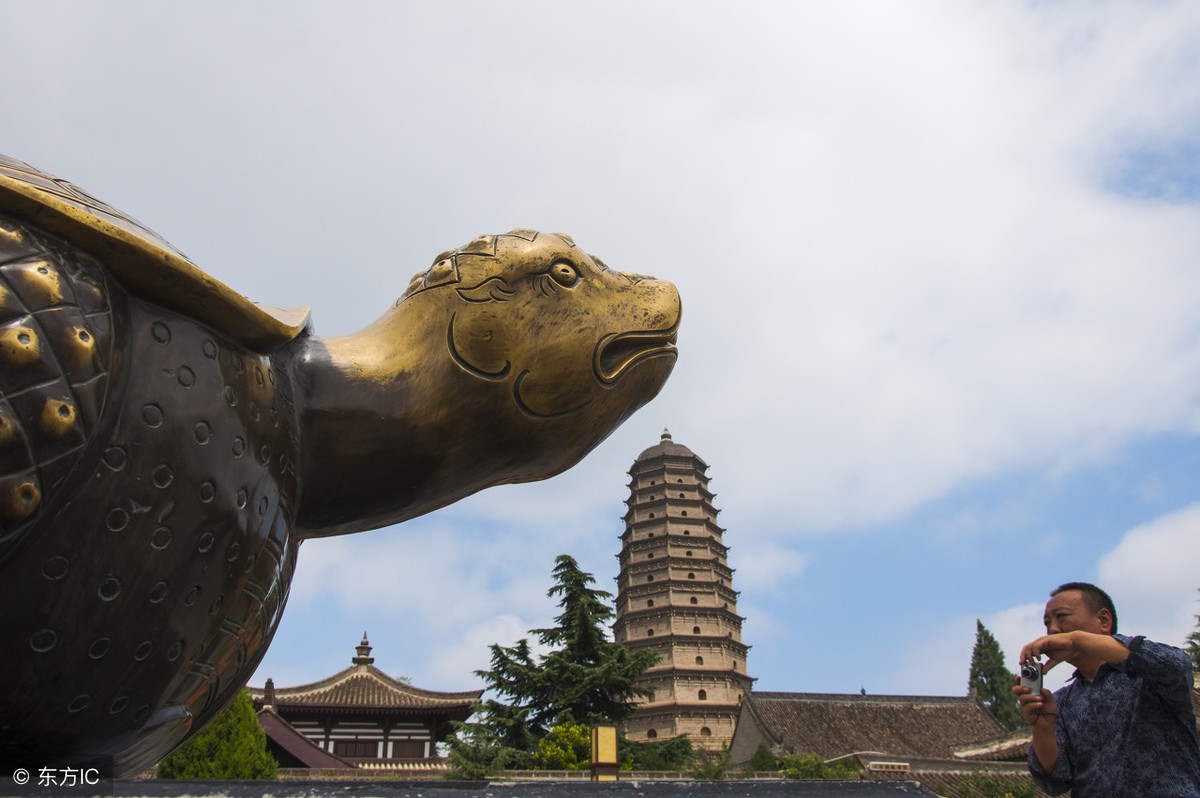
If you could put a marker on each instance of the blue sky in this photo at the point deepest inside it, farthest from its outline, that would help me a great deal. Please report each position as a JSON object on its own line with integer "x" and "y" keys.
{"x": 941, "y": 340}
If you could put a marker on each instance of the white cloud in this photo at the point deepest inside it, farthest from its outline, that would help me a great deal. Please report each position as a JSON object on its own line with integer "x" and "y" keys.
{"x": 765, "y": 565}
{"x": 1151, "y": 576}
{"x": 903, "y": 266}
{"x": 469, "y": 652}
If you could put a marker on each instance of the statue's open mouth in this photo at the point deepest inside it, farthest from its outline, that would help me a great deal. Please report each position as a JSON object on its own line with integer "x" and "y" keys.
{"x": 618, "y": 352}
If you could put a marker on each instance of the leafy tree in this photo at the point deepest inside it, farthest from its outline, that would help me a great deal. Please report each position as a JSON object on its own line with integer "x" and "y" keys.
{"x": 673, "y": 753}
{"x": 711, "y": 766}
{"x": 585, "y": 678}
{"x": 232, "y": 746}
{"x": 477, "y": 752}
{"x": 991, "y": 681}
{"x": 1192, "y": 645}
{"x": 811, "y": 766}
{"x": 568, "y": 746}
{"x": 763, "y": 761}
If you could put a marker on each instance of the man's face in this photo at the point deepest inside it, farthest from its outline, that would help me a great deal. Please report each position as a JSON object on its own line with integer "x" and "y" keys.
{"x": 1067, "y": 612}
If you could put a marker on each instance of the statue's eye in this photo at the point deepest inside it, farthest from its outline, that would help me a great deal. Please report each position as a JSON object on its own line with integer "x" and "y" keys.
{"x": 564, "y": 274}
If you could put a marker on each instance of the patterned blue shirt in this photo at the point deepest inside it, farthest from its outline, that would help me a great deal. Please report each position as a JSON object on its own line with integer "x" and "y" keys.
{"x": 1131, "y": 732}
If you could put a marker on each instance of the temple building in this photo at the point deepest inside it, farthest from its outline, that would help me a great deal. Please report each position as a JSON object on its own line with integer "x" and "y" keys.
{"x": 360, "y": 715}
{"x": 675, "y": 595}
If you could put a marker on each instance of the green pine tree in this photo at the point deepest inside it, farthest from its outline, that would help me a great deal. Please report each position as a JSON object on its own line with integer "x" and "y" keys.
{"x": 477, "y": 753}
{"x": 991, "y": 681}
{"x": 672, "y": 753}
{"x": 232, "y": 746}
{"x": 585, "y": 678}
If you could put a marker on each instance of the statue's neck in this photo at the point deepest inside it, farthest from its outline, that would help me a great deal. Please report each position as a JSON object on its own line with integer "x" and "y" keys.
{"x": 374, "y": 439}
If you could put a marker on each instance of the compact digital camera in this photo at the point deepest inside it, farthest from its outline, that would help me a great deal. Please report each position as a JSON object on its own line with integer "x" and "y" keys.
{"x": 1031, "y": 675}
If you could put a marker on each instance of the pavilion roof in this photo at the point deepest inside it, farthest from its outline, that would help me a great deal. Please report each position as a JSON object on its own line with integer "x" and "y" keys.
{"x": 834, "y": 725}
{"x": 362, "y": 686}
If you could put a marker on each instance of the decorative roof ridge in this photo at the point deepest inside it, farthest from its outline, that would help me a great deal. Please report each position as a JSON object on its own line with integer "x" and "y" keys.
{"x": 860, "y": 698}
{"x": 310, "y": 687}
{"x": 369, "y": 672}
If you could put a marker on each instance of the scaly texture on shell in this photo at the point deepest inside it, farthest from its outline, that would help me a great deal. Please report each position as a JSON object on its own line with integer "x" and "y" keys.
{"x": 147, "y": 461}
{"x": 56, "y": 347}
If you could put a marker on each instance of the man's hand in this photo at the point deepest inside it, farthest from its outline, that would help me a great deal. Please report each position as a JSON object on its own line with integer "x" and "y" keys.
{"x": 1041, "y": 713}
{"x": 1035, "y": 706}
{"x": 1058, "y": 648}
{"x": 1084, "y": 650}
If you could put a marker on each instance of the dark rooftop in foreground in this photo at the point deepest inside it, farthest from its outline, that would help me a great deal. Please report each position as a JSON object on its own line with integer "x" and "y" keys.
{"x": 523, "y": 789}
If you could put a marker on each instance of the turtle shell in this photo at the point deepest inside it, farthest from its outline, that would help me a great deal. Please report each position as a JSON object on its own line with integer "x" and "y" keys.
{"x": 145, "y": 482}
{"x": 140, "y": 259}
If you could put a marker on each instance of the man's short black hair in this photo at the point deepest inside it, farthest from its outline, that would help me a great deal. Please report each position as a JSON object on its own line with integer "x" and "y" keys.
{"x": 1094, "y": 599}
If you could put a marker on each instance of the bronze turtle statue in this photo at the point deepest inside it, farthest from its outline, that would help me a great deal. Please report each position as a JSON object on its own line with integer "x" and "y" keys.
{"x": 166, "y": 445}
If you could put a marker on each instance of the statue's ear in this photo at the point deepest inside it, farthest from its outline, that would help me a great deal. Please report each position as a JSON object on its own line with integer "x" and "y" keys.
{"x": 477, "y": 342}
{"x": 492, "y": 289}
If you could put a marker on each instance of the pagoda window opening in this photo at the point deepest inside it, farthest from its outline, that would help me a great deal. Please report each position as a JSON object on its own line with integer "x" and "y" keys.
{"x": 695, "y": 630}
{"x": 695, "y": 600}
{"x": 686, "y": 532}
{"x": 650, "y": 556}
{"x": 691, "y": 576}
{"x": 649, "y": 602}
{"x": 651, "y": 515}
{"x": 689, "y": 554}
{"x": 681, "y": 496}
{"x": 649, "y": 577}
{"x": 649, "y": 633}
{"x": 685, "y": 512}
{"x": 702, "y": 695}
{"x": 705, "y": 731}
{"x": 651, "y": 734}
{"x": 699, "y": 660}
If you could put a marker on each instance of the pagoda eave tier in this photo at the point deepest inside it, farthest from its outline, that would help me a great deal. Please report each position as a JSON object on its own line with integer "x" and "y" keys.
{"x": 691, "y": 611}
{"x": 679, "y": 563}
{"x": 707, "y": 523}
{"x": 701, "y": 674}
{"x": 690, "y": 710}
{"x": 696, "y": 541}
{"x": 661, "y": 641}
{"x": 681, "y": 585}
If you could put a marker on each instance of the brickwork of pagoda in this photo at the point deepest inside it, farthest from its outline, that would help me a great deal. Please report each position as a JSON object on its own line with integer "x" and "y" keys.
{"x": 675, "y": 595}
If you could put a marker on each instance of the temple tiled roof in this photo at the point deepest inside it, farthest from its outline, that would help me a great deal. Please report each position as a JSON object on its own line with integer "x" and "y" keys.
{"x": 365, "y": 686}
{"x": 362, "y": 686}
{"x": 833, "y": 725}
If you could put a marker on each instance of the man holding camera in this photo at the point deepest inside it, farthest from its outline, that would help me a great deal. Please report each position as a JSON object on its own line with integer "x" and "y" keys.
{"x": 1124, "y": 725}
